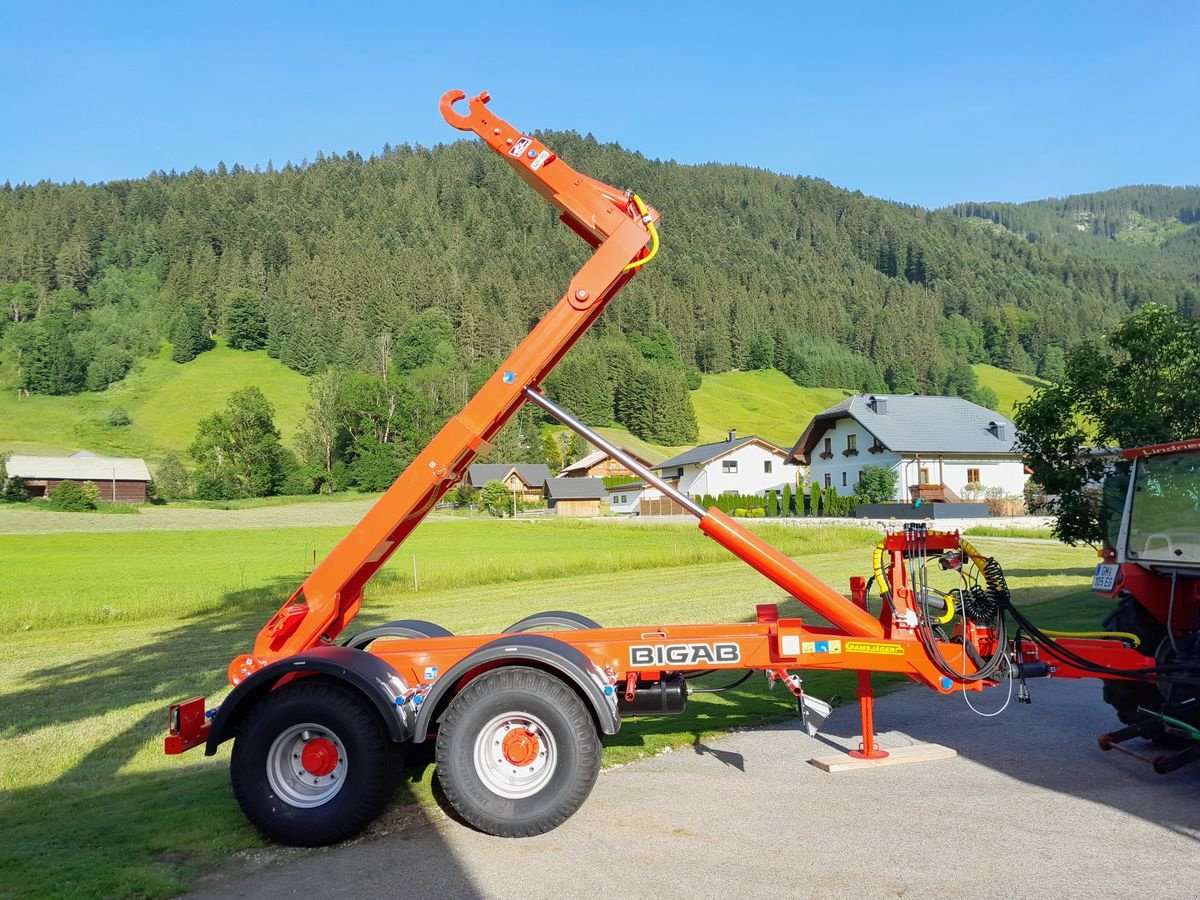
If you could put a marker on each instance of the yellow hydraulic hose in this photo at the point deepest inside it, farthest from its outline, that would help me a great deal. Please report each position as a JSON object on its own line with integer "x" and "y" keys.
{"x": 638, "y": 263}
{"x": 882, "y": 582}
{"x": 1122, "y": 635}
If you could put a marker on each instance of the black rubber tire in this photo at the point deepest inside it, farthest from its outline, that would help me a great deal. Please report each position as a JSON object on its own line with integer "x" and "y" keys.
{"x": 558, "y": 620}
{"x": 1126, "y": 696}
{"x": 405, "y": 628}
{"x": 517, "y": 689}
{"x": 371, "y": 763}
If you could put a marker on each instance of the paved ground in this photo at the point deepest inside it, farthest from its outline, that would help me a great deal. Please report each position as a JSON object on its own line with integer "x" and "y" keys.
{"x": 1031, "y": 807}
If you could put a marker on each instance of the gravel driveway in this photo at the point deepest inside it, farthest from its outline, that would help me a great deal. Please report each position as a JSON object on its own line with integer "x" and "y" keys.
{"x": 1030, "y": 807}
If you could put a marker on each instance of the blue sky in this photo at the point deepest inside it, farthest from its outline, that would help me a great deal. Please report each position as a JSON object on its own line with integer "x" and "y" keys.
{"x": 929, "y": 105}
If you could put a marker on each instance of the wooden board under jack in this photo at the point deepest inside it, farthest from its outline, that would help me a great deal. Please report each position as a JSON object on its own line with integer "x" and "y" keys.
{"x": 914, "y": 753}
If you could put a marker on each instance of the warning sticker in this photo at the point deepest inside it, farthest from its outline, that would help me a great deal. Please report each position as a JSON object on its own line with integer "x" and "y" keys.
{"x": 519, "y": 147}
{"x": 876, "y": 647}
{"x": 821, "y": 647}
{"x": 541, "y": 159}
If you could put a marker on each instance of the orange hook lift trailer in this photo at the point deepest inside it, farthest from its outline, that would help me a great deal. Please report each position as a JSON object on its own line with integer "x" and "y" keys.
{"x": 518, "y": 716}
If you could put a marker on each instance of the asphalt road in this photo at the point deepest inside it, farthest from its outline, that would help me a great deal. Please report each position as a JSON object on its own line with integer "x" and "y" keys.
{"x": 1030, "y": 807}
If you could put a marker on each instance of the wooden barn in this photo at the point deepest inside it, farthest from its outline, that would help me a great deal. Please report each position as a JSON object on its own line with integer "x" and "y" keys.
{"x": 119, "y": 479}
{"x": 574, "y": 496}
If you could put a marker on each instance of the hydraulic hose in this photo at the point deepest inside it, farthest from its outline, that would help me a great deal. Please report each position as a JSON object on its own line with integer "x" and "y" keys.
{"x": 645, "y": 213}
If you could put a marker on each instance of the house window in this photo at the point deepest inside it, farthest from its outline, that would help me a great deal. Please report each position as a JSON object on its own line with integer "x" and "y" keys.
{"x": 828, "y": 480}
{"x": 767, "y": 466}
{"x": 828, "y": 445}
{"x": 843, "y": 479}
{"x": 973, "y": 477}
{"x": 852, "y": 442}
{"x": 729, "y": 466}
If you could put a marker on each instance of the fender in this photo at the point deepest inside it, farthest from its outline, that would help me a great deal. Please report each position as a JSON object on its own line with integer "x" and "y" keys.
{"x": 367, "y": 673}
{"x": 568, "y": 662}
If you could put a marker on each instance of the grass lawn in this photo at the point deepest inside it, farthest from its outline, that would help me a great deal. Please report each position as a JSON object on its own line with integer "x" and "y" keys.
{"x": 1010, "y": 387}
{"x": 766, "y": 403}
{"x": 105, "y": 629}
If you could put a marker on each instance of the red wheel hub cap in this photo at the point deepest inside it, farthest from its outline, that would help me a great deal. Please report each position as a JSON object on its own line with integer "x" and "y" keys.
{"x": 520, "y": 747}
{"x": 319, "y": 757}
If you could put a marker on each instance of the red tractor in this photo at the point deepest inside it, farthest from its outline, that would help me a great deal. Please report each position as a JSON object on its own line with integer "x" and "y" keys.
{"x": 1151, "y": 567}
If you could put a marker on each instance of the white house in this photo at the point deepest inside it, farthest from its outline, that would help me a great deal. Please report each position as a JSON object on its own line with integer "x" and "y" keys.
{"x": 936, "y": 446}
{"x": 624, "y": 498}
{"x": 737, "y": 465}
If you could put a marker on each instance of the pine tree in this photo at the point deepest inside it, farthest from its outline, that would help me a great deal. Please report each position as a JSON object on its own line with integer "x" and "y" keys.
{"x": 245, "y": 320}
{"x": 49, "y": 364}
{"x": 189, "y": 334}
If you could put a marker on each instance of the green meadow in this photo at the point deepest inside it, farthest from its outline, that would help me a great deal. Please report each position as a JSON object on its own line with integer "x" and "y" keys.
{"x": 164, "y": 400}
{"x": 105, "y": 629}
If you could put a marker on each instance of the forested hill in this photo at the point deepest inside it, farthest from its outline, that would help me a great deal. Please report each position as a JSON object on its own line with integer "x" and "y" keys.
{"x": 324, "y": 262}
{"x": 1150, "y": 227}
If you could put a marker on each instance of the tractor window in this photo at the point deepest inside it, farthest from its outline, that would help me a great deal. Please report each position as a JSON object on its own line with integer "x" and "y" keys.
{"x": 1164, "y": 523}
{"x": 1116, "y": 487}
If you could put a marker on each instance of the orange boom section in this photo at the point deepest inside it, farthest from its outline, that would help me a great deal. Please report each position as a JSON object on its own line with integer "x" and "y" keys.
{"x": 613, "y": 221}
{"x": 620, "y": 227}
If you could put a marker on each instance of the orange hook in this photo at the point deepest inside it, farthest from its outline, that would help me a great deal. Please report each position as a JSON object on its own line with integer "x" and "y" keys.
{"x": 476, "y": 104}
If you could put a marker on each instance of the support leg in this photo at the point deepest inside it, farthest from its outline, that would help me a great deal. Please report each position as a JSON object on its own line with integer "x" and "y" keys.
{"x": 866, "y": 704}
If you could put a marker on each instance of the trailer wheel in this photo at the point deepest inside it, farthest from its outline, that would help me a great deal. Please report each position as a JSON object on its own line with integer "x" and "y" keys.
{"x": 312, "y": 764}
{"x": 517, "y": 752}
{"x": 553, "y": 620}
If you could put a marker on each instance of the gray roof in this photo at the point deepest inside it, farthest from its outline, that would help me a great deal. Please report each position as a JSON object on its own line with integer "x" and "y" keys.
{"x": 914, "y": 423}
{"x": 574, "y": 488}
{"x": 78, "y": 468}
{"x": 698, "y": 456}
{"x": 533, "y": 474}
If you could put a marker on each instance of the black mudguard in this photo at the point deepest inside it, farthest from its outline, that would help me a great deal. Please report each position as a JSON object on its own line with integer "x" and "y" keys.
{"x": 540, "y": 651}
{"x": 370, "y": 675}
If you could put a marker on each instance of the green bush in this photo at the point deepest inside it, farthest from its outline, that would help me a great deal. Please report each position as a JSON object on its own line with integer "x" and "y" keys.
{"x": 15, "y": 490}
{"x": 118, "y": 418}
{"x": 91, "y": 493}
{"x": 171, "y": 479}
{"x": 876, "y": 485}
{"x": 496, "y": 498}
{"x": 69, "y": 496}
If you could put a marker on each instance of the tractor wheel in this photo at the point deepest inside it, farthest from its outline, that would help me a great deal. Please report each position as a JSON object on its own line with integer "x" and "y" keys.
{"x": 517, "y": 752}
{"x": 312, "y": 764}
{"x": 1126, "y": 696}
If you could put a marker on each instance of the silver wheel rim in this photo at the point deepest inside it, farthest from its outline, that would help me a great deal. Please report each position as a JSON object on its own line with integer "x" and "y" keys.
{"x": 499, "y": 773}
{"x": 290, "y": 780}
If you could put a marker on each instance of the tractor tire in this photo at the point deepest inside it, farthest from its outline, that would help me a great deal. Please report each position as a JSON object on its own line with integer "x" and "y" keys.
{"x": 1127, "y": 696}
{"x": 313, "y": 764}
{"x": 517, "y": 752}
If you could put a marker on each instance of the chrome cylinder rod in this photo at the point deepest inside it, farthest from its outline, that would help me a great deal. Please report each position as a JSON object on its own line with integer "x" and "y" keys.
{"x": 614, "y": 451}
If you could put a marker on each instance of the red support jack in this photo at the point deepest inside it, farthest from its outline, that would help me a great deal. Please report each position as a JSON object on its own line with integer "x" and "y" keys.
{"x": 866, "y": 705}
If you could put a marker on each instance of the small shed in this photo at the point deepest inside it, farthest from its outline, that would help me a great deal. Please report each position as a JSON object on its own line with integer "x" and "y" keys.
{"x": 119, "y": 479}
{"x": 574, "y": 496}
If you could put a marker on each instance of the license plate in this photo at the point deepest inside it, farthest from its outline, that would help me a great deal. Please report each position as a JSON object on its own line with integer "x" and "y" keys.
{"x": 1105, "y": 578}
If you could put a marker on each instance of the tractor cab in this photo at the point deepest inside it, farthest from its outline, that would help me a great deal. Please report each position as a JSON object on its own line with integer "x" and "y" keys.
{"x": 1160, "y": 522}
